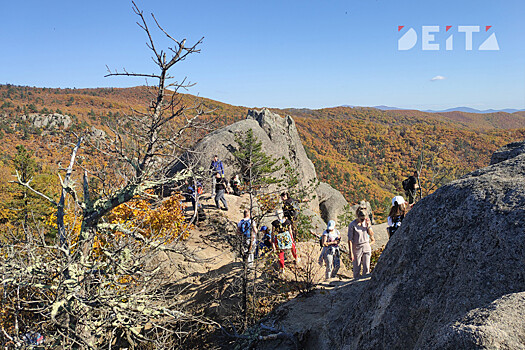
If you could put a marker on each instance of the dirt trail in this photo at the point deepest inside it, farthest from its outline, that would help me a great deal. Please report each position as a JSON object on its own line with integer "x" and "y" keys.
{"x": 211, "y": 284}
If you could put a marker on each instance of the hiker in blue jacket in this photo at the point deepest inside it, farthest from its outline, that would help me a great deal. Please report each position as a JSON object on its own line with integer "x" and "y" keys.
{"x": 246, "y": 227}
{"x": 216, "y": 167}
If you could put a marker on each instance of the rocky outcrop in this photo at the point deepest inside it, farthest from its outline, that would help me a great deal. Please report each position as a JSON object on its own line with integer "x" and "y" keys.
{"x": 331, "y": 201}
{"x": 459, "y": 249}
{"x": 508, "y": 151}
{"x": 279, "y": 138}
{"x": 54, "y": 120}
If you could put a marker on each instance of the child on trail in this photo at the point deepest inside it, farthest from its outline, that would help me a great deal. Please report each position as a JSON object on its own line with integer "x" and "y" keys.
{"x": 283, "y": 242}
{"x": 397, "y": 213}
{"x": 265, "y": 245}
{"x": 246, "y": 228}
{"x": 360, "y": 236}
{"x": 330, "y": 253}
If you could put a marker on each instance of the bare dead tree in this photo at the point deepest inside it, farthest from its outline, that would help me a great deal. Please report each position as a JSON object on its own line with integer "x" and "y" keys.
{"x": 100, "y": 285}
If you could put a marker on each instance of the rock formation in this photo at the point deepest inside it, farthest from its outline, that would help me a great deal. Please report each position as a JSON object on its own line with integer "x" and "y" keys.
{"x": 459, "y": 249}
{"x": 279, "y": 139}
{"x": 508, "y": 151}
{"x": 452, "y": 277}
{"x": 54, "y": 120}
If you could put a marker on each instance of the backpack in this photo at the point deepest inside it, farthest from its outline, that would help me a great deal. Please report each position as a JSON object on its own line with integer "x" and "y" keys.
{"x": 246, "y": 226}
{"x": 396, "y": 224}
{"x": 284, "y": 240}
{"x": 291, "y": 209}
{"x": 405, "y": 184}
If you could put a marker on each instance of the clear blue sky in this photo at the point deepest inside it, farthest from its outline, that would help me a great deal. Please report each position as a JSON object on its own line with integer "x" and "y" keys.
{"x": 278, "y": 53}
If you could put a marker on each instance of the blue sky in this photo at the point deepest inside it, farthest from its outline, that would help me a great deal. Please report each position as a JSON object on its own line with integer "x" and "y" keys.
{"x": 278, "y": 53}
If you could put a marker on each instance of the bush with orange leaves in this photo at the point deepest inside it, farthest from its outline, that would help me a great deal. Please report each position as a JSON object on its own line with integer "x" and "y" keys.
{"x": 161, "y": 221}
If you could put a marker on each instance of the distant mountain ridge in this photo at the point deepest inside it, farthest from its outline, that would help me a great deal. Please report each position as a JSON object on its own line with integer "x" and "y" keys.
{"x": 473, "y": 110}
{"x": 454, "y": 109}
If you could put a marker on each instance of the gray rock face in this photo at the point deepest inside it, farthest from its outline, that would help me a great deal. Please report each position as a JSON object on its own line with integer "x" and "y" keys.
{"x": 284, "y": 139}
{"x": 458, "y": 251}
{"x": 501, "y": 325}
{"x": 331, "y": 201}
{"x": 508, "y": 151}
{"x": 54, "y": 120}
{"x": 279, "y": 139}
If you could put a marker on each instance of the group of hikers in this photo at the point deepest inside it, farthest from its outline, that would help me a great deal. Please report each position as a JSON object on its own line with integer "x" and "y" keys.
{"x": 281, "y": 237}
{"x": 219, "y": 186}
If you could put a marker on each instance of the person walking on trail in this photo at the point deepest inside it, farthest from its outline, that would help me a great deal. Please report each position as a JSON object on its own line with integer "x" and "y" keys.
{"x": 397, "y": 213}
{"x": 283, "y": 243}
{"x": 216, "y": 167}
{"x": 411, "y": 187}
{"x": 330, "y": 254}
{"x": 247, "y": 229}
{"x": 360, "y": 236}
{"x": 193, "y": 192}
{"x": 220, "y": 190}
{"x": 265, "y": 245}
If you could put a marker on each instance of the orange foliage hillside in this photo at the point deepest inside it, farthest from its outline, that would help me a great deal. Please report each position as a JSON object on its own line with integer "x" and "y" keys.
{"x": 363, "y": 152}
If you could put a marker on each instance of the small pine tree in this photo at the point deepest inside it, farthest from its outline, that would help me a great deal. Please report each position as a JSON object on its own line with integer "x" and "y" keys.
{"x": 256, "y": 171}
{"x": 256, "y": 166}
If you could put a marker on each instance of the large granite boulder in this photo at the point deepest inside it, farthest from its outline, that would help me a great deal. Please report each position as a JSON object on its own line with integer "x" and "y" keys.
{"x": 500, "y": 325}
{"x": 458, "y": 250}
{"x": 279, "y": 139}
{"x": 331, "y": 201}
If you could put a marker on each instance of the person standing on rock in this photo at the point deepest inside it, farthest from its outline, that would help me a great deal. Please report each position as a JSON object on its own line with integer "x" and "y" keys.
{"x": 397, "y": 213}
{"x": 360, "y": 236}
{"x": 283, "y": 242}
{"x": 411, "y": 187}
{"x": 216, "y": 167}
{"x": 220, "y": 190}
{"x": 330, "y": 253}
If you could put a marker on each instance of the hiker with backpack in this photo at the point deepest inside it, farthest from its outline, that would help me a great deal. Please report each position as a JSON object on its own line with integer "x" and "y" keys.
{"x": 216, "y": 167}
{"x": 265, "y": 245}
{"x": 192, "y": 194}
{"x": 283, "y": 243}
{"x": 330, "y": 254}
{"x": 290, "y": 207}
{"x": 411, "y": 187}
{"x": 291, "y": 211}
{"x": 360, "y": 236}
{"x": 397, "y": 213}
{"x": 193, "y": 191}
{"x": 247, "y": 229}
{"x": 220, "y": 190}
